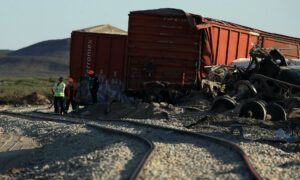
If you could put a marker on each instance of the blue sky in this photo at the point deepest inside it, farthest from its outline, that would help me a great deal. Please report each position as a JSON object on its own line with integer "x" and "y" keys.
{"x": 25, "y": 22}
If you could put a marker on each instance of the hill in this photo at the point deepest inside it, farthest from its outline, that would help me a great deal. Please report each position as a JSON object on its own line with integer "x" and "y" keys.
{"x": 30, "y": 66}
{"x": 4, "y": 52}
{"x": 51, "y": 48}
{"x": 46, "y": 58}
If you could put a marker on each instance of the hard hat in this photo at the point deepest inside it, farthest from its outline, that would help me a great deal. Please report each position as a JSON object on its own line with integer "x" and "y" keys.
{"x": 91, "y": 72}
{"x": 71, "y": 80}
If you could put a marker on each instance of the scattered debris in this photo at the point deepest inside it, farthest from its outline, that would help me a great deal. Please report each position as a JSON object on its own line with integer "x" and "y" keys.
{"x": 141, "y": 110}
{"x": 234, "y": 128}
{"x": 219, "y": 79}
{"x": 259, "y": 91}
{"x": 281, "y": 134}
{"x": 199, "y": 121}
{"x": 254, "y": 109}
{"x": 283, "y": 137}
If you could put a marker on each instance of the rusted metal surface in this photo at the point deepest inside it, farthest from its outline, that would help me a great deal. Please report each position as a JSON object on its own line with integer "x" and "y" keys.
{"x": 101, "y": 52}
{"x": 162, "y": 46}
{"x": 226, "y": 44}
{"x": 290, "y": 48}
{"x": 228, "y": 41}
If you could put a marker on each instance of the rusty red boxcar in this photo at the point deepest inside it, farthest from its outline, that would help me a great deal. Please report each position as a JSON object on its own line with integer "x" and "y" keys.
{"x": 173, "y": 46}
{"x": 100, "y": 48}
{"x": 162, "y": 46}
{"x": 228, "y": 41}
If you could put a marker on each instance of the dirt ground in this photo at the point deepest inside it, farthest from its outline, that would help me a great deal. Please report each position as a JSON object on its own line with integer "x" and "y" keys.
{"x": 31, "y": 99}
{"x": 36, "y": 99}
{"x": 14, "y": 150}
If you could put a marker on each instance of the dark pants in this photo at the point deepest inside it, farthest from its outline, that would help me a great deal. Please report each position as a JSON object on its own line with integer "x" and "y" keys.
{"x": 59, "y": 105}
{"x": 94, "y": 95}
{"x": 73, "y": 103}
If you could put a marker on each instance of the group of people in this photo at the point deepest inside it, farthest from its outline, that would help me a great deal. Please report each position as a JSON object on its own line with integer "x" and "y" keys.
{"x": 64, "y": 95}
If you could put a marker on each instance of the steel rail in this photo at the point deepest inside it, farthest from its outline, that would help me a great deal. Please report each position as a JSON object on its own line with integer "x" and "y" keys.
{"x": 217, "y": 140}
{"x": 147, "y": 142}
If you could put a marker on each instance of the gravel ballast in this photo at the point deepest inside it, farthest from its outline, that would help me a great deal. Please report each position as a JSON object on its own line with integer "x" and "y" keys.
{"x": 63, "y": 151}
{"x": 184, "y": 156}
{"x": 181, "y": 157}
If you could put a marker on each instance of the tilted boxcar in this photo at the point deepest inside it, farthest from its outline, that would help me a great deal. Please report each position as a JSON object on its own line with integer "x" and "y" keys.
{"x": 170, "y": 45}
{"x": 103, "y": 50}
{"x": 100, "y": 48}
{"x": 162, "y": 46}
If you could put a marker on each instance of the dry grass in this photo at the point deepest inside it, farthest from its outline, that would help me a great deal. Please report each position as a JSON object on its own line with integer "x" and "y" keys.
{"x": 12, "y": 90}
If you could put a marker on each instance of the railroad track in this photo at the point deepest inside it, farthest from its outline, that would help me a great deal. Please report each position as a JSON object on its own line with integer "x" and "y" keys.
{"x": 144, "y": 140}
{"x": 128, "y": 123}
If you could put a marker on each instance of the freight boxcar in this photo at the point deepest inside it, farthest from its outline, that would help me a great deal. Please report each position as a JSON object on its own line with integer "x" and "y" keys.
{"x": 227, "y": 41}
{"x": 100, "y": 48}
{"x": 162, "y": 46}
{"x": 103, "y": 50}
{"x": 175, "y": 47}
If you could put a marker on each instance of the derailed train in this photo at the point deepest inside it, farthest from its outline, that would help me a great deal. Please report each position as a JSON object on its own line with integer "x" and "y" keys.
{"x": 263, "y": 90}
{"x": 167, "y": 49}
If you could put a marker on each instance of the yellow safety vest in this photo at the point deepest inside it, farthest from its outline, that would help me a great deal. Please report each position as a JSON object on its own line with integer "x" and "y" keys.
{"x": 59, "y": 91}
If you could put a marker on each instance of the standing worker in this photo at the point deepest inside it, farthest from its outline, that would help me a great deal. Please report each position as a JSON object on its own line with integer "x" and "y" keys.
{"x": 70, "y": 94}
{"x": 59, "y": 93}
{"x": 93, "y": 85}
